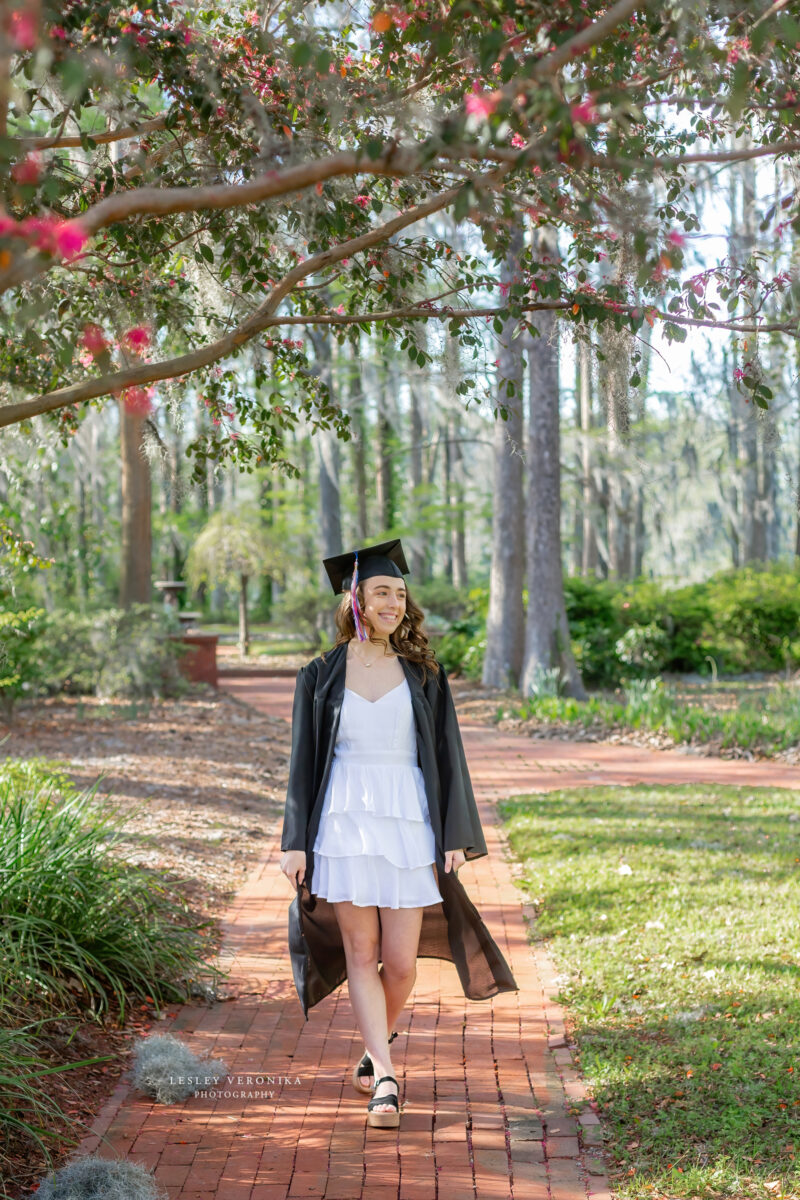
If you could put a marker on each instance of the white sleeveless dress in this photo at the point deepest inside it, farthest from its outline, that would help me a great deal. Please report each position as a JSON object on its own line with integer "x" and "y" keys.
{"x": 375, "y": 843}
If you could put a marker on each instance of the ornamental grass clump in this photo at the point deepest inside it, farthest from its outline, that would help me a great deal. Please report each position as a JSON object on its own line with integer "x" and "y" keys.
{"x": 169, "y": 1071}
{"x": 96, "y": 1178}
{"x": 77, "y": 923}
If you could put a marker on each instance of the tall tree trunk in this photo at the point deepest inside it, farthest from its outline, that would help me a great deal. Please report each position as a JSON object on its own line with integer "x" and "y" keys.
{"x": 358, "y": 416}
{"x": 458, "y": 500}
{"x": 547, "y": 643}
{"x": 590, "y": 513}
{"x": 84, "y": 573}
{"x": 136, "y": 522}
{"x": 576, "y": 492}
{"x": 447, "y": 490}
{"x": 244, "y": 625}
{"x": 418, "y": 562}
{"x": 328, "y": 462}
{"x": 755, "y": 542}
{"x": 266, "y": 504}
{"x": 614, "y": 375}
{"x": 505, "y": 624}
{"x": 638, "y": 490}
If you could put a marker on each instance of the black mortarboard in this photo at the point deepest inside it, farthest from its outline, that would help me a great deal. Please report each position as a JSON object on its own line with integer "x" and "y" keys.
{"x": 384, "y": 559}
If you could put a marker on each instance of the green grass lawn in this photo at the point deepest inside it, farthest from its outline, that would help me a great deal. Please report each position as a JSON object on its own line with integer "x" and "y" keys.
{"x": 674, "y": 914}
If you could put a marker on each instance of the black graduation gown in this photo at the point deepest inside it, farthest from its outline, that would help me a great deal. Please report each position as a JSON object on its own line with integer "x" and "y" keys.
{"x": 452, "y": 930}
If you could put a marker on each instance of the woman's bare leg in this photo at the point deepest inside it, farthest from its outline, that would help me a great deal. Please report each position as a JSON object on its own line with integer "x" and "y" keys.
{"x": 378, "y": 997}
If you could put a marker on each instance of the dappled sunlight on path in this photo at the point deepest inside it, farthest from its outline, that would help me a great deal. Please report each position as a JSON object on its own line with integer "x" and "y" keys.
{"x": 488, "y": 1087}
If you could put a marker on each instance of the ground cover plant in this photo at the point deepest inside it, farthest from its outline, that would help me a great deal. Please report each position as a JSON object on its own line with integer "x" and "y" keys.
{"x": 82, "y": 933}
{"x": 670, "y": 913}
{"x": 765, "y": 719}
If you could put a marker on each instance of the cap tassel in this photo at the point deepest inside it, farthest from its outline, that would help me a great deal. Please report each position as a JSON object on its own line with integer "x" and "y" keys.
{"x": 360, "y": 631}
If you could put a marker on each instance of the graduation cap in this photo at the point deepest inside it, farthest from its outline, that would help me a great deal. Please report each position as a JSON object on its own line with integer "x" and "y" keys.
{"x": 346, "y": 571}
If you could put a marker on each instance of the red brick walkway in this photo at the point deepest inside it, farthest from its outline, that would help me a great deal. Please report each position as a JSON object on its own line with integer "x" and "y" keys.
{"x": 487, "y": 1085}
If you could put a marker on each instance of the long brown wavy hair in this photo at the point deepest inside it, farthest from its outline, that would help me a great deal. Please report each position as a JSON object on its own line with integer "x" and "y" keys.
{"x": 409, "y": 639}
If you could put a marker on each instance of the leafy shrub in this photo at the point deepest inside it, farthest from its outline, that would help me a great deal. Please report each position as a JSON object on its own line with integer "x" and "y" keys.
{"x": 110, "y": 653}
{"x": 645, "y": 648}
{"x": 462, "y": 648}
{"x": 756, "y": 616}
{"x": 19, "y": 659}
{"x": 594, "y": 627}
{"x": 737, "y": 621}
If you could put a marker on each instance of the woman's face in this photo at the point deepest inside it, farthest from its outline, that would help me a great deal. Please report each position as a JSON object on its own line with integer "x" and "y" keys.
{"x": 384, "y": 603}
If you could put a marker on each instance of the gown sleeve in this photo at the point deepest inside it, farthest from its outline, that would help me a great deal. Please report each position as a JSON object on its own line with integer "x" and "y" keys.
{"x": 299, "y": 797}
{"x": 461, "y": 823}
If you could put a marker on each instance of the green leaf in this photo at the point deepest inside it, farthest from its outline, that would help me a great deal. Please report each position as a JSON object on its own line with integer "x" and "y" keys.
{"x": 207, "y": 252}
{"x": 300, "y": 54}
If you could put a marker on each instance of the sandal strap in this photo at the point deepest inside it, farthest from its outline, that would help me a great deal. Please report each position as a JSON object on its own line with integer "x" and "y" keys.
{"x": 365, "y": 1068}
{"x": 384, "y": 1077}
{"x": 376, "y": 1100}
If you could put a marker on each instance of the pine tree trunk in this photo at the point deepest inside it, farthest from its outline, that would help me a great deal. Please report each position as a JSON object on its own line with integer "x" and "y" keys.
{"x": 547, "y": 643}
{"x": 136, "y": 516}
{"x": 589, "y": 506}
{"x": 447, "y": 490}
{"x": 614, "y": 375}
{"x": 244, "y": 627}
{"x": 358, "y": 416}
{"x": 458, "y": 499}
{"x": 505, "y": 624}
{"x": 418, "y": 562}
{"x": 328, "y": 461}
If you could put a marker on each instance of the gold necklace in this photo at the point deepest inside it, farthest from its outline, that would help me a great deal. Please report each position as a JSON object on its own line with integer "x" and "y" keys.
{"x": 371, "y": 664}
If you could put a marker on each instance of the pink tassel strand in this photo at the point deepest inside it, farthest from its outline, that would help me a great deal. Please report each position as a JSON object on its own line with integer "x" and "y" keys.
{"x": 360, "y": 631}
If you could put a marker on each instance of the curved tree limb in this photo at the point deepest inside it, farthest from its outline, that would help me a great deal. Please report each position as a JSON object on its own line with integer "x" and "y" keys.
{"x": 262, "y": 318}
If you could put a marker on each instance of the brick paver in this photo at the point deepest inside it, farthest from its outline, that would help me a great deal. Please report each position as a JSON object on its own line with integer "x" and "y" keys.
{"x": 487, "y": 1086}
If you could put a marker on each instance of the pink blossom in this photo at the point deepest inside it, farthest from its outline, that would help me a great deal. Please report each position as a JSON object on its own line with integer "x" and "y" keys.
{"x": 584, "y": 113}
{"x": 361, "y": 201}
{"x": 70, "y": 237}
{"x": 22, "y": 28}
{"x": 137, "y": 338}
{"x": 675, "y": 238}
{"x": 138, "y": 401}
{"x": 481, "y": 104}
{"x": 8, "y": 226}
{"x": 28, "y": 169}
{"x": 53, "y": 236}
{"x": 340, "y": 310}
{"x": 504, "y": 289}
{"x": 399, "y": 16}
{"x": 58, "y": 32}
{"x": 738, "y": 373}
{"x": 94, "y": 339}
{"x": 38, "y": 231}
{"x": 517, "y": 140}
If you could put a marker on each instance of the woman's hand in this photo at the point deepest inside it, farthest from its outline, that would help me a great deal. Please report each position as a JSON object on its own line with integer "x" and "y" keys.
{"x": 454, "y": 859}
{"x": 293, "y": 865}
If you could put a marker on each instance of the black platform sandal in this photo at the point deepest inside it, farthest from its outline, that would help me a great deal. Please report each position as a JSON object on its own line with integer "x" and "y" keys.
{"x": 365, "y": 1070}
{"x": 384, "y": 1120}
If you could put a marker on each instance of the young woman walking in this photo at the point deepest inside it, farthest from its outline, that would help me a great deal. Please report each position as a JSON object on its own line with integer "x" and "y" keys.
{"x": 379, "y": 816}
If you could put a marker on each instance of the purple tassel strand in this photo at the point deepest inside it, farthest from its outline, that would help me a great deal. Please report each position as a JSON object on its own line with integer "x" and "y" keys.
{"x": 360, "y": 631}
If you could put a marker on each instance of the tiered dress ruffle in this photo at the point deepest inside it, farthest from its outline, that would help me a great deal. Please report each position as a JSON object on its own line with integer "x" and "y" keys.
{"x": 375, "y": 843}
